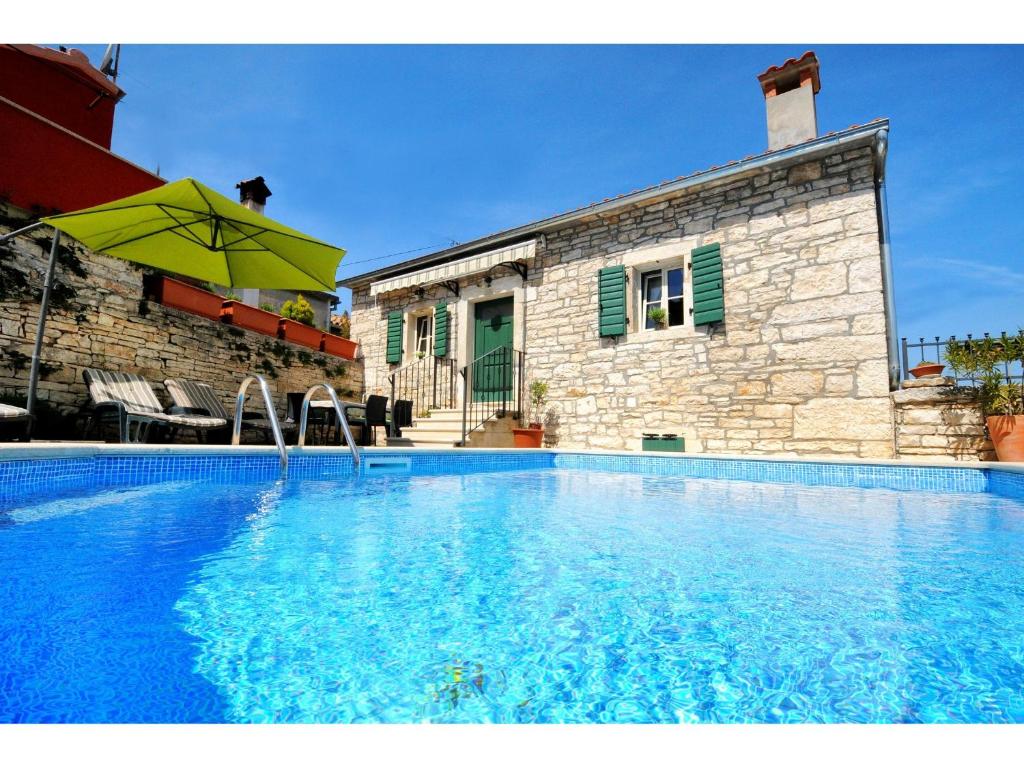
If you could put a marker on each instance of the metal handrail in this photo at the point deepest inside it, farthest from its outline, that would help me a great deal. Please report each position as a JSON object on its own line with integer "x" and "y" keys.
{"x": 275, "y": 426}
{"x": 428, "y": 382}
{"x": 506, "y": 370}
{"x": 342, "y": 418}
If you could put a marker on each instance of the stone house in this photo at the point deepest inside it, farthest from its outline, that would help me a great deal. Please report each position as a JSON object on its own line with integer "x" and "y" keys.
{"x": 747, "y": 307}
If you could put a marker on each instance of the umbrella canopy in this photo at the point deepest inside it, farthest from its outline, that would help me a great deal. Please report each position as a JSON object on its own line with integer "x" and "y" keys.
{"x": 189, "y": 229}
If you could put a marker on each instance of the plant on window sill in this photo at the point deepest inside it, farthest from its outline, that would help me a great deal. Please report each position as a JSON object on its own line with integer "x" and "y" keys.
{"x": 658, "y": 316}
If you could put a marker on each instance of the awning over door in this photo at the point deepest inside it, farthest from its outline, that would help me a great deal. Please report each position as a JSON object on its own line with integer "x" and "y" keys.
{"x": 453, "y": 270}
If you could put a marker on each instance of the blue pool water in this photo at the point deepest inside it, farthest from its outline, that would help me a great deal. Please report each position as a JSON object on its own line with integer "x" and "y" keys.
{"x": 544, "y": 595}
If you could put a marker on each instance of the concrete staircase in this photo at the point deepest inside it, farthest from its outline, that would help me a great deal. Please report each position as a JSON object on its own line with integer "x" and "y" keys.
{"x": 443, "y": 429}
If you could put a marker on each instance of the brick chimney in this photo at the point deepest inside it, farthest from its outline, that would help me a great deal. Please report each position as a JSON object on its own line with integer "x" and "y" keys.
{"x": 253, "y": 194}
{"x": 789, "y": 92}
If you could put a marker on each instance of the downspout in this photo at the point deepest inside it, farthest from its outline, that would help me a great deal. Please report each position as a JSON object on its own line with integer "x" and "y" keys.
{"x": 881, "y": 151}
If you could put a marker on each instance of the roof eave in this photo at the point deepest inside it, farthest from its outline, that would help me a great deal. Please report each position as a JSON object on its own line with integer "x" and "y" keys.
{"x": 820, "y": 145}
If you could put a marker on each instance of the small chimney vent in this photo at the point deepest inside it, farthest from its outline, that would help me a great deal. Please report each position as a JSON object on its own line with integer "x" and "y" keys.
{"x": 789, "y": 93}
{"x": 253, "y": 193}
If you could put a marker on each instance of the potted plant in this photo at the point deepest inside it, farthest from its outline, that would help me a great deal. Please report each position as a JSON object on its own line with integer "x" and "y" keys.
{"x": 296, "y": 324}
{"x": 249, "y": 317}
{"x": 927, "y": 368}
{"x": 189, "y": 298}
{"x": 334, "y": 343}
{"x": 532, "y": 436}
{"x": 657, "y": 316}
{"x": 1001, "y": 399}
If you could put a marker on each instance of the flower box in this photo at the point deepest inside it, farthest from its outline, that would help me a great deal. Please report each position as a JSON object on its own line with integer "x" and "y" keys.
{"x": 248, "y": 317}
{"x": 179, "y": 295}
{"x": 299, "y": 333}
{"x": 333, "y": 344}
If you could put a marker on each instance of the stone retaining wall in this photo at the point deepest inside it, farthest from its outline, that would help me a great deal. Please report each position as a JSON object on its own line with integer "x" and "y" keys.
{"x": 100, "y": 319}
{"x": 936, "y": 419}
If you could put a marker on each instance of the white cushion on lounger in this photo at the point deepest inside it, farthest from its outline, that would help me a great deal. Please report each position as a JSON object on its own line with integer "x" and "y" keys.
{"x": 11, "y": 411}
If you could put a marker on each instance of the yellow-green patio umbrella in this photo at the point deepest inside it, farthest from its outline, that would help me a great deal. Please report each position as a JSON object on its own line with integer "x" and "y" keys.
{"x": 189, "y": 229}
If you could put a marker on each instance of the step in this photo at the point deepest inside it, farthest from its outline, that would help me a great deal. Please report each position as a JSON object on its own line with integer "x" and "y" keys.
{"x": 405, "y": 442}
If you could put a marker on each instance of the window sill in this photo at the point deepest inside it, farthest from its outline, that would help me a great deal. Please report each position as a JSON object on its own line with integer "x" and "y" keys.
{"x": 674, "y": 332}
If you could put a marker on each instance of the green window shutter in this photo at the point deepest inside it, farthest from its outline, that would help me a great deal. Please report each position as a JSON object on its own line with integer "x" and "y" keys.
{"x": 708, "y": 284}
{"x": 611, "y": 298}
{"x": 440, "y": 329}
{"x": 394, "y": 337}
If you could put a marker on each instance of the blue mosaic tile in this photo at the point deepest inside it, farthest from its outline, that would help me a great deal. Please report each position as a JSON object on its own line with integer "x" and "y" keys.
{"x": 21, "y": 479}
{"x": 124, "y": 470}
{"x": 900, "y": 478}
{"x": 1009, "y": 484}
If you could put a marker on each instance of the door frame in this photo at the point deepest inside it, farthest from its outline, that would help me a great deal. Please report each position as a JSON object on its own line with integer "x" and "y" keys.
{"x": 471, "y": 295}
{"x": 498, "y": 394}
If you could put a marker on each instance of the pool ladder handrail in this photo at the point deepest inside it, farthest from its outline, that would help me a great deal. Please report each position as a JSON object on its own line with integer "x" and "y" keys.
{"x": 275, "y": 426}
{"x": 342, "y": 418}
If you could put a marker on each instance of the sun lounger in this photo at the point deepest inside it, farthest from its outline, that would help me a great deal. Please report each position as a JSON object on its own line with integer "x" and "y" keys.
{"x": 196, "y": 397}
{"x": 130, "y": 399}
{"x": 15, "y": 423}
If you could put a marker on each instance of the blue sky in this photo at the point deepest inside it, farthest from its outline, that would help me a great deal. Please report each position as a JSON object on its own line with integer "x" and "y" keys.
{"x": 386, "y": 149}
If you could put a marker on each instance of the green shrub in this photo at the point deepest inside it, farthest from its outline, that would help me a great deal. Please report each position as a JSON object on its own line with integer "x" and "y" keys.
{"x": 299, "y": 310}
{"x": 983, "y": 361}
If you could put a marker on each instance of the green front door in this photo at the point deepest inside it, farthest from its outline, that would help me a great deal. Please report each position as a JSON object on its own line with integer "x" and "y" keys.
{"x": 492, "y": 332}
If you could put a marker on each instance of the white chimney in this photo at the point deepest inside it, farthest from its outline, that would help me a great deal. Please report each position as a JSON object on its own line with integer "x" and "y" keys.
{"x": 789, "y": 93}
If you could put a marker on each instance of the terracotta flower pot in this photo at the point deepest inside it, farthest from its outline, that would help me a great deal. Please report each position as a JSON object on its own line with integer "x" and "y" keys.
{"x": 1007, "y": 433}
{"x": 300, "y": 333}
{"x": 333, "y": 344}
{"x": 250, "y": 318}
{"x": 528, "y": 438}
{"x": 926, "y": 370}
{"x": 174, "y": 293}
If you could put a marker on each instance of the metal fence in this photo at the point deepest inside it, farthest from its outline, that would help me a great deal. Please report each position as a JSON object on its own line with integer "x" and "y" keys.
{"x": 934, "y": 350}
{"x": 428, "y": 383}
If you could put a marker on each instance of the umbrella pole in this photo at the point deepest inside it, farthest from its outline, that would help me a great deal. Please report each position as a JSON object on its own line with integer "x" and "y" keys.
{"x": 33, "y": 378}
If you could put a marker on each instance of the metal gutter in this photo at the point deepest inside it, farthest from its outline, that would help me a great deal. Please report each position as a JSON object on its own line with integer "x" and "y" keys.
{"x": 881, "y": 149}
{"x": 823, "y": 144}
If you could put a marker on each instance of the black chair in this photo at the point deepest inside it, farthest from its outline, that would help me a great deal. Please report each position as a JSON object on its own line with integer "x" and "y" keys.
{"x": 401, "y": 415}
{"x": 376, "y": 416}
{"x": 319, "y": 421}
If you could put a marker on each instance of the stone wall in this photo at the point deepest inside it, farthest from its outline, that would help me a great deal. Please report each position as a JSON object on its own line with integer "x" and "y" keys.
{"x": 935, "y": 419}
{"x": 100, "y": 319}
{"x": 799, "y": 365}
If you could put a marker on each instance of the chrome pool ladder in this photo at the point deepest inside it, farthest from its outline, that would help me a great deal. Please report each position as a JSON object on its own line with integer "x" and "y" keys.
{"x": 342, "y": 419}
{"x": 275, "y": 426}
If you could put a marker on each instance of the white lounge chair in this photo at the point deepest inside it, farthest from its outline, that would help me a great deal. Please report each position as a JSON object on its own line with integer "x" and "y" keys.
{"x": 196, "y": 397}
{"x": 15, "y": 423}
{"x": 130, "y": 399}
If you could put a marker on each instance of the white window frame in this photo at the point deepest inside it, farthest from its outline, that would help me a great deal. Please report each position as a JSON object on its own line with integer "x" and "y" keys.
{"x": 640, "y": 306}
{"x": 411, "y": 328}
{"x": 426, "y": 341}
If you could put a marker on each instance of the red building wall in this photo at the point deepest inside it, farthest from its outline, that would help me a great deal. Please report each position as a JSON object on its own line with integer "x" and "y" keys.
{"x": 62, "y": 87}
{"x": 54, "y": 148}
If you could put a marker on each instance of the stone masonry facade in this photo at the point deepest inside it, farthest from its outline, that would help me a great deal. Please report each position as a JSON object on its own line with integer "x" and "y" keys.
{"x": 799, "y": 366}
{"x": 101, "y": 319}
{"x": 936, "y": 419}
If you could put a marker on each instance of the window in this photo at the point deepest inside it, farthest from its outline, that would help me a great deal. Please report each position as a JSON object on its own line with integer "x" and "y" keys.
{"x": 424, "y": 335}
{"x": 662, "y": 289}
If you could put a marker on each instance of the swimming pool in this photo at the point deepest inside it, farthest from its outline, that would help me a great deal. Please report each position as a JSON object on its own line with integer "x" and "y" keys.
{"x": 531, "y": 586}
